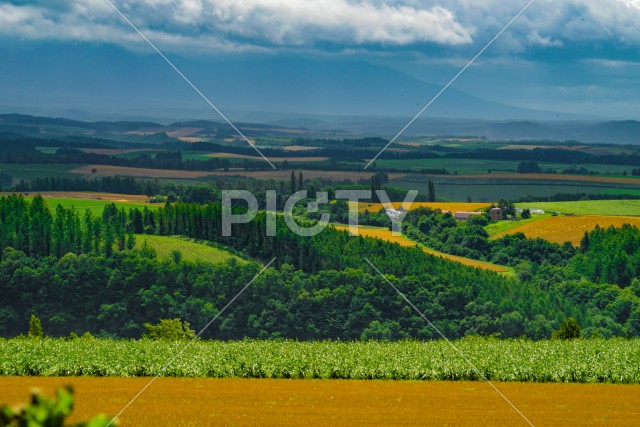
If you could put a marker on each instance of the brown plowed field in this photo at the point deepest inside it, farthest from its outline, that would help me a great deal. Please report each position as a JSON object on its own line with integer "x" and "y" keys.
{"x": 273, "y": 159}
{"x": 266, "y": 402}
{"x": 280, "y": 174}
{"x": 88, "y": 196}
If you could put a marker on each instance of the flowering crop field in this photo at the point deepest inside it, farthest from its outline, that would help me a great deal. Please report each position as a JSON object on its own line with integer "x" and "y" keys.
{"x": 580, "y": 361}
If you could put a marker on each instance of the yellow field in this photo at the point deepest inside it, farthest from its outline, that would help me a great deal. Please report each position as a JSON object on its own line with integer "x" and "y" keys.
{"x": 267, "y": 402}
{"x": 451, "y": 207}
{"x": 387, "y": 235}
{"x": 560, "y": 229}
{"x": 273, "y": 159}
{"x": 299, "y": 148}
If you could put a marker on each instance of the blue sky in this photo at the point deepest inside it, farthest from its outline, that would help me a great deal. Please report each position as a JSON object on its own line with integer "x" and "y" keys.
{"x": 574, "y": 56}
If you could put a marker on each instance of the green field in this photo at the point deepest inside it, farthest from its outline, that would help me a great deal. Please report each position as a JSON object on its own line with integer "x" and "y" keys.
{"x": 589, "y": 207}
{"x": 584, "y": 361}
{"x": 28, "y": 172}
{"x": 95, "y": 206}
{"x": 474, "y": 167}
{"x": 458, "y": 192}
{"x": 189, "y": 249}
{"x": 500, "y": 227}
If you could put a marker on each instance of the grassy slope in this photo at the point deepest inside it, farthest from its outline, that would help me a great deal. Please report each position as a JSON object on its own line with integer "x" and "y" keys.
{"x": 190, "y": 250}
{"x": 94, "y": 205}
{"x": 589, "y": 207}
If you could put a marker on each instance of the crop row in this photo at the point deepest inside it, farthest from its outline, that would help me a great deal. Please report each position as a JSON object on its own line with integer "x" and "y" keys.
{"x": 589, "y": 361}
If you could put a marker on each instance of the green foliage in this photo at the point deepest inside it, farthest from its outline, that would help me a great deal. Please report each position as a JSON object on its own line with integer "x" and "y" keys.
{"x": 35, "y": 327}
{"x": 585, "y": 361}
{"x": 169, "y": 329}
{"x": 570, "y": 329}
{"x": 47, "y": 412}
{"x": 177, "y": 249}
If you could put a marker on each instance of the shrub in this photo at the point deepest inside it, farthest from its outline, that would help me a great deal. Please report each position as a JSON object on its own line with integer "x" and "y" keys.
{"x": 47, "y": 412}
{"x": 169, "y": 329}
{"x": 35, "y": 327}
{"x": 570, "y": 329}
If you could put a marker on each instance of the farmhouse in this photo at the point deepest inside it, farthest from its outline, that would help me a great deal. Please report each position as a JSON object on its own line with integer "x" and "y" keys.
{"x": 395, "y": 214}
{"x": 496, "y": 214}
{"x": 465, "y": 215}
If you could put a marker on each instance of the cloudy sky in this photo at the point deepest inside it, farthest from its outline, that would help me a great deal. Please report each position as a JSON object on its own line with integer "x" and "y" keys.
{"x": 573, "y": 56}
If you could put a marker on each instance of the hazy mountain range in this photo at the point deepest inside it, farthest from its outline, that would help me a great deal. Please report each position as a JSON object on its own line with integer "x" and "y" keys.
{"x": 111, "y": 82}
{"x": 627, "y": 132}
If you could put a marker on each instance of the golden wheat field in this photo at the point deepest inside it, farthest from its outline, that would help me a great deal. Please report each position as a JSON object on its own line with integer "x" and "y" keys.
{"x": 451, "y": 207}
{"x": 267, "y": 402}
{"x": 387, "y": 235}
{"x": 560, "y": 229}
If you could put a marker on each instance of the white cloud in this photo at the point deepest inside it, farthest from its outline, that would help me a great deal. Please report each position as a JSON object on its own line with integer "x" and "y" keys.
{"x": 230, "y": 24}
{"x": 453, "y": 26}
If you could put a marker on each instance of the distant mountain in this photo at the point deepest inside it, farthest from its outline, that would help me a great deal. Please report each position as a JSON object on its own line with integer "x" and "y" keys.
{"x": 121, "y": 82}
{"x": 622, "y": 132}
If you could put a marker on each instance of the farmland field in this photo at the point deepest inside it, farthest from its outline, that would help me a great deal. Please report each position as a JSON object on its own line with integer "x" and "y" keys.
{"x": 190, "y": 250}
{"x": 562, "y": 229}
{"x": 502, "y": 189}
{"x": 260, "y": 402}
{"x": 589, "y": 207}
{"x": 32, "y": 171}
{"x": 451, "y": 207}
{"x": 273, "y": 159}
{"x": 387, "y": 235}
{"x": 279, "y": 174}
{"x": 583, "y": 361}
{"x": 95, "y": 202}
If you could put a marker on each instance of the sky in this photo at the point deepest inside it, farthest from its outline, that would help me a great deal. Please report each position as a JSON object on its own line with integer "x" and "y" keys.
{"x": 571, "y": 56}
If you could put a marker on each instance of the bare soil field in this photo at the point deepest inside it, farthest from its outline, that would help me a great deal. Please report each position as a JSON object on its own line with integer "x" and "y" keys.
{"x": 111, "y": 197}
{"x": 105, "y": 170}
{"x": 268, "y": 402}
{"x": 116, "y": 151}
{"x": 273, "y": 159}
{"x": 181, "y": 132}
{"x": 544, "y": 147}
{"x": 560, "y": 229}
{"x": 280, "y": 174}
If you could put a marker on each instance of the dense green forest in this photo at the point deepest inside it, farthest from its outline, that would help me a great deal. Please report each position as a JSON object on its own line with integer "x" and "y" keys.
{"x": 79, "y": 273}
